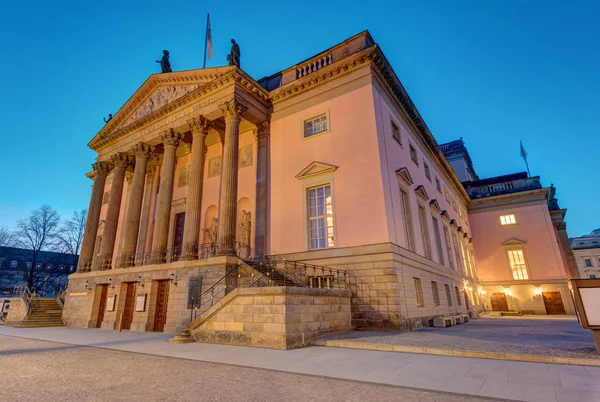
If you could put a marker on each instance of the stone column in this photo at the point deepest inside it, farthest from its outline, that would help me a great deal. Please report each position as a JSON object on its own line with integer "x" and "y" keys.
{"x": 262, "y": 189}
{"x": 229, "y": 174}
{"x": 86, "y": 254}
{"x": 131, "y": 224}
{"x": 160, "y": 237}
{"x": 141, "y": 244}
{"x": 120, "y": 161}
{"x": 191, "y": 229}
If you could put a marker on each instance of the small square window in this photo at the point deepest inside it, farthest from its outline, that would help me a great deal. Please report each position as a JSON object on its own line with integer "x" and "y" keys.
{"x": 588, "y": 262}
{"x": 413, "y": 154}
{"x": 315, "y": 125}
{"x": 592, "y": 276}
{"x": 427, "y": 170}
{"x": 396, "y": 133}
{"x": 438, "y": 185}
{"x": 507, "y": 219}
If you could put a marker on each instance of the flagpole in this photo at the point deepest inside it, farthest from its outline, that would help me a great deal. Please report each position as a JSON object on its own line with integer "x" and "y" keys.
{"x": 528, "y": 172}
{"x": 206, "y": 40}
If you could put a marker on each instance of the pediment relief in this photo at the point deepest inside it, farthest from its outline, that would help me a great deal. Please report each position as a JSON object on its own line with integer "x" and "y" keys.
{"x": 513, "y": 242}
{"x": 403, "y": 174}
{"x": 420, "y": 190}
{"x": 433, "y": 204}
{"x": 316, "y": 168}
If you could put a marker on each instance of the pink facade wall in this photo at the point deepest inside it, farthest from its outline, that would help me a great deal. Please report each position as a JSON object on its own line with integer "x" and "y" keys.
{"x": 351, "y": 145}
{"x": 395, "y": 156}
{"x": 534, "y": 226}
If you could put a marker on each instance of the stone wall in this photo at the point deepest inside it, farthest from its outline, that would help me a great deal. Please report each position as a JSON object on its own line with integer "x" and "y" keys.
{"x": 17, "y": 311}
{"x": 274, "y": 317}
{"x": 82, "y": 305}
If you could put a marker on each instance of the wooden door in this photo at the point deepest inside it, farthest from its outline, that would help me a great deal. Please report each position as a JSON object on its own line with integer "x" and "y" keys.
{"x": 499, "y": 302}
{"x": 102, "y": 305}
{"x": 129, "y": 305}
{"x": 553, "y": 302}
{"x": 162, "y": 298}
{"x": 178, "y": 235}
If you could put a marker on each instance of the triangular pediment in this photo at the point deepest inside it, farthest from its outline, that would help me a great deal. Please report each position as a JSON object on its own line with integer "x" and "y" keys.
{"x": 453, "y": 224}
{"x": 433, "y": 204}
{"x": 316, "y": 168}
{"x": 159, "y": 91}
{"x": 420, "y": 190}
{"x": 513, "y": 242}
{"x": 445, "y": 216}
{"x": 405, "y": 175}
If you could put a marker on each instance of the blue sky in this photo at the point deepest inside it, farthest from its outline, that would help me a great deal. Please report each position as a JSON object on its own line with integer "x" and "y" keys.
{"x": 492, "y": 72}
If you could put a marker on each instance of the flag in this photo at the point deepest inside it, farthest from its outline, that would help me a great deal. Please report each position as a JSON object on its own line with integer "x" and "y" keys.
{"x": 523, "y": 152}
{"x": 208, "y": 37}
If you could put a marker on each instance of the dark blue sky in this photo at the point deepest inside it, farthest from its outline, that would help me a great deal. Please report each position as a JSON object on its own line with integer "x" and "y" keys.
{"x": 492, "y": 72}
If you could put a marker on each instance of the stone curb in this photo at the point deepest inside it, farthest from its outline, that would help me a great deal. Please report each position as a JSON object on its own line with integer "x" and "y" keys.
{"x": 456, "y": 352}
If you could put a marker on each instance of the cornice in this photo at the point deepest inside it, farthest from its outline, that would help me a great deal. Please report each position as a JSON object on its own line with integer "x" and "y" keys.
{"x": 325, "y": 75}
{"x": 233, "y": 76}
{"x": 522, "y": 198}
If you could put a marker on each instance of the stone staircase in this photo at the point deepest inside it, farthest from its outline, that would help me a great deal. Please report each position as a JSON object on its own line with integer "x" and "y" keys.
{"x": 279, "y": 277}
{"x": 45, "y": 312}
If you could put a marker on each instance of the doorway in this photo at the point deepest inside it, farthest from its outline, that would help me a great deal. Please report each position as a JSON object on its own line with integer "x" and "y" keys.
{"x": 162, "y": 299}
{"x": 129, "y": 305}
{"x": 499, "y": 302}
{"x": 553, "y": 303}
{"x": 103, "y": 289}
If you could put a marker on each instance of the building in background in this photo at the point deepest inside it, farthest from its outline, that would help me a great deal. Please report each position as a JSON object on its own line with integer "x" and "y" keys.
{"x": 50, "y": 273}
{"x": 587, "y": 254}
{"x": 522, "y": 250}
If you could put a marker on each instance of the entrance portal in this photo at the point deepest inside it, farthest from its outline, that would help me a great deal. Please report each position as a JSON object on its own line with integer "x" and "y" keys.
{"x": 553, "y": 303}
{"x": 499, "y": 302}
{"x": 162, "y": 298}
{"x": 102, "y": 306}
{"x": 129, "y": 305}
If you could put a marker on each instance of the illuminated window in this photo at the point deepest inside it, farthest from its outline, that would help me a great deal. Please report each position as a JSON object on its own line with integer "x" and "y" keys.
{"x": 518, "y": 267}
{"x": 436, "y": 294}
{"x": 396, "y": 133}
{"x": 427, "y": 170}
{"x": 315, "y": 125}
{"x": 508, "y": 219}
{"x": 419, "y": 292}
{"x": 413, "y": 154}
{"x": 320, "y": 212}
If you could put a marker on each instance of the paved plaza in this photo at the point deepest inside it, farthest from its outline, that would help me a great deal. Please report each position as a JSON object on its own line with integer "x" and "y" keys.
{"x": 486, "y": 378}
{"x": 548, "y": 337}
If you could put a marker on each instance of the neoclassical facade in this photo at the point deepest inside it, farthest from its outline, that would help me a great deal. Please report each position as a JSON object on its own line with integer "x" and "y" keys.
{"x": 326, "y": 163}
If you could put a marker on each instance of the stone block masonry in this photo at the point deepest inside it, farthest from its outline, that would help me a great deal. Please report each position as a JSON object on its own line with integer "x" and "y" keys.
{"x": 274, "y": 317}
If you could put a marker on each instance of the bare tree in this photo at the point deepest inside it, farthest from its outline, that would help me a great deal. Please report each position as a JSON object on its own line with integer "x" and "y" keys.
{"x": 71, "y": 234}
{"x": 38, "y": 232}
{"x": 7, "y": 238}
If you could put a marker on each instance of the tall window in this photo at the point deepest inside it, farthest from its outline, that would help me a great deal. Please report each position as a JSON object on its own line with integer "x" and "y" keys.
{"x": 436, "y": 294}
{"x": 315, "y": 125}
{"x": 407, "y": 220}
{"x": 438, "y": 239}
{"x": 457, "y": 253}
{"x": 516, "y": 259}
{"x": 508, "y": 219}
{"x": 419, "y": 292}
{"x": 457, "y": 295}
{"x": 396, "y": 133}
{"x": 465, "y": 257}
{"x": 449, "y": 248}
{"x": 438, "y": 185}
{"x": 447, "y": 194}
{"x": 425, "y": 231}
{"x": 320, "y": 208}
{"x": 448, "y": 295}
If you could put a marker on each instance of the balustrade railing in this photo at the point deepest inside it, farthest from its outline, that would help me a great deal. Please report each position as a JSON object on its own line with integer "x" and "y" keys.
{"x": 313, "y": 65}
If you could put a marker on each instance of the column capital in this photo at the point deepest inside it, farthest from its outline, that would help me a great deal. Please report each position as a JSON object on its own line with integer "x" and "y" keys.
{"x": 262, "y": 130}
{"x": 101, "y": 168}
{"x": 199, "y": 125}
{"x": 141, "y": 150}
{"x": 170, "y": 138}
{"x": 120, "y": 159}
{"x": 232, "y": 109}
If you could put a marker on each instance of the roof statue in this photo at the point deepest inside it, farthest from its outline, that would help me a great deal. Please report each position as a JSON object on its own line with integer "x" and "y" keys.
{"x": 234, "y": 56}
{"x": 165, "y": 65}
{"x": 109, "y": 117}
